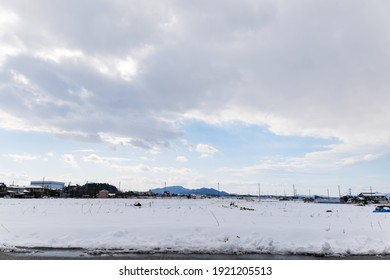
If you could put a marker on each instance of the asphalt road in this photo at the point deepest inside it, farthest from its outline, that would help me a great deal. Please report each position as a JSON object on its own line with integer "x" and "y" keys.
{"x": 72, "y": 254}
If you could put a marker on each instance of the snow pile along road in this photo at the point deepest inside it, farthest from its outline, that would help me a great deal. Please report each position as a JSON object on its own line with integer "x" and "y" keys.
{"x": 194, "y": 226}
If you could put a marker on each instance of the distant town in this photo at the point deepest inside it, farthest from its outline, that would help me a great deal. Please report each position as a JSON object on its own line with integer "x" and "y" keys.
{"x": 55, "y": 189}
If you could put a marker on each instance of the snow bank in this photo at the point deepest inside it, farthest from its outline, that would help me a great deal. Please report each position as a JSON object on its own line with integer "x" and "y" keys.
{"x": 188, "y": 226}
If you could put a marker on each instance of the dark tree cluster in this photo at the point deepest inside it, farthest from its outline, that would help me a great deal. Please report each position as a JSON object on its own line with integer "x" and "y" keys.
{"x": 3, "y": 189}
{"x": 129, "y": 194}
{"x": 88, "y": 190}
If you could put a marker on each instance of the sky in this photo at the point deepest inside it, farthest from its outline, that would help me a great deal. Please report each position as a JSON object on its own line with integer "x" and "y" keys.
{"x": 140, "y": 94}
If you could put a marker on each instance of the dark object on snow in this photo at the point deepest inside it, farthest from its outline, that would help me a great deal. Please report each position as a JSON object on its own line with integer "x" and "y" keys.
{"x": 382, "y": 209}
{"x": 246, "y": 208}
{"x": 137, "y": 204}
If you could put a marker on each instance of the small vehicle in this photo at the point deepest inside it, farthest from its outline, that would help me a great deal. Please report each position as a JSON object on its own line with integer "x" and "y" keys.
{"x": 382, "y": 209}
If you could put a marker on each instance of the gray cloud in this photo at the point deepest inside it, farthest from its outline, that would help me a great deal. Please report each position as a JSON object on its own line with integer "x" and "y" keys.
{"x": 134, "y": 69}
{"x": 97, "y": 27}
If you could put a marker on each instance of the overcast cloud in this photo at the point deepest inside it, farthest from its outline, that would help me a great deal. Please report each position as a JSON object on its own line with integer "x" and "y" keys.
{"x": 132, "y": 72}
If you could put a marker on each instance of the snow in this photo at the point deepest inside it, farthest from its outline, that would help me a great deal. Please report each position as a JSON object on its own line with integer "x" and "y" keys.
{"x": 194, "y": 226}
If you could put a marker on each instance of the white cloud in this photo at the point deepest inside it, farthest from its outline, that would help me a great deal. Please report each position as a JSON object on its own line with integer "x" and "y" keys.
{"x": 181, "y": 159}
{"x": 337, "y": 156}
{"x": 206, "y": 150}
{"x": 47, "y": 156}
{"x": 85, "y": 151}
{"x": 108, "y": 161}
{"x": 119, "y": 141}
{"x": 23, "y": 157}
{"x": 82, "y": 93}
{"x": 127, "y": 68}
{"x": 57, "y": 55}
{"x": 70, "y": 160}
{"x": 121, "y": 165}
{"x": 30, "y": 157}
{"x": 116, "y": 141}
{"x": 93, "y": 158}
{"x": 20, "y": 78}
{"x": 10, "y": 44}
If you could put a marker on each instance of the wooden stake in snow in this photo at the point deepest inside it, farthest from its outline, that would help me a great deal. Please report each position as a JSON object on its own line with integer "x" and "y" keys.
{"x": 5, "y": 228}
{"x": 214, "y": 217}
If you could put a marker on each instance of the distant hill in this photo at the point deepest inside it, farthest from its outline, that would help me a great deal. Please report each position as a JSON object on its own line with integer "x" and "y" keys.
{"x": 183, "y": 191}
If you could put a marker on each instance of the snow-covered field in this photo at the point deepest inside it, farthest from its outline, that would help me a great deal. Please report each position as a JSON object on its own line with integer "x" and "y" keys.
{"x": 194, "y": 226}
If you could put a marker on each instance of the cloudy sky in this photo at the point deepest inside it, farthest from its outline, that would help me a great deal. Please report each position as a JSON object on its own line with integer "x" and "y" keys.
{"x": 192, "y": 93}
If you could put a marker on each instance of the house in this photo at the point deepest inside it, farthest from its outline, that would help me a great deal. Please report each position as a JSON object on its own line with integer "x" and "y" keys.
{"x": 197, "y": 196}
{"x": 105, "y": 194}
{"x": 371, "y": 197}
{"x": 22, "y": 191}
{"x": 35, "y": 191}
{"x": 17, "y": 191}
{"x": 166, "y": 194}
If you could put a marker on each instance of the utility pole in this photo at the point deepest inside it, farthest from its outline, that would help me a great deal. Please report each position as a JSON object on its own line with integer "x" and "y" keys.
{"x": 218, "y": 189}
{"x": 371, "y": 192}
{"x": 259, "y": 192}
{"x": 328, "y": 194}
{"x": 294, "y": 191}
{"x": 339, "y": 191}
{"x": 43, "y": 186}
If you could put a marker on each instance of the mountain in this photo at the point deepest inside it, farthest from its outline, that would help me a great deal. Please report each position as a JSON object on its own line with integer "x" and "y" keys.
{"x": 172, "y": 190}
{"x": 183, "y": 191}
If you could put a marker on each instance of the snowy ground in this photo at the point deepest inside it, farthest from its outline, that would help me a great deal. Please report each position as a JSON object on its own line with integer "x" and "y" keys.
{"x": 194, "y": 226}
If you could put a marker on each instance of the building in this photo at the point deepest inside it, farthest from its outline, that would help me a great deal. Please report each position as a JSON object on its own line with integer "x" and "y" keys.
{"x": 35, "y": 191}
{"x": 372, "y": 197}
{"x": 16, "y": 191}
{"x": 25, "y": 192}
{"x": 52, "y": 185}
{"x": 105, "y": 194}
